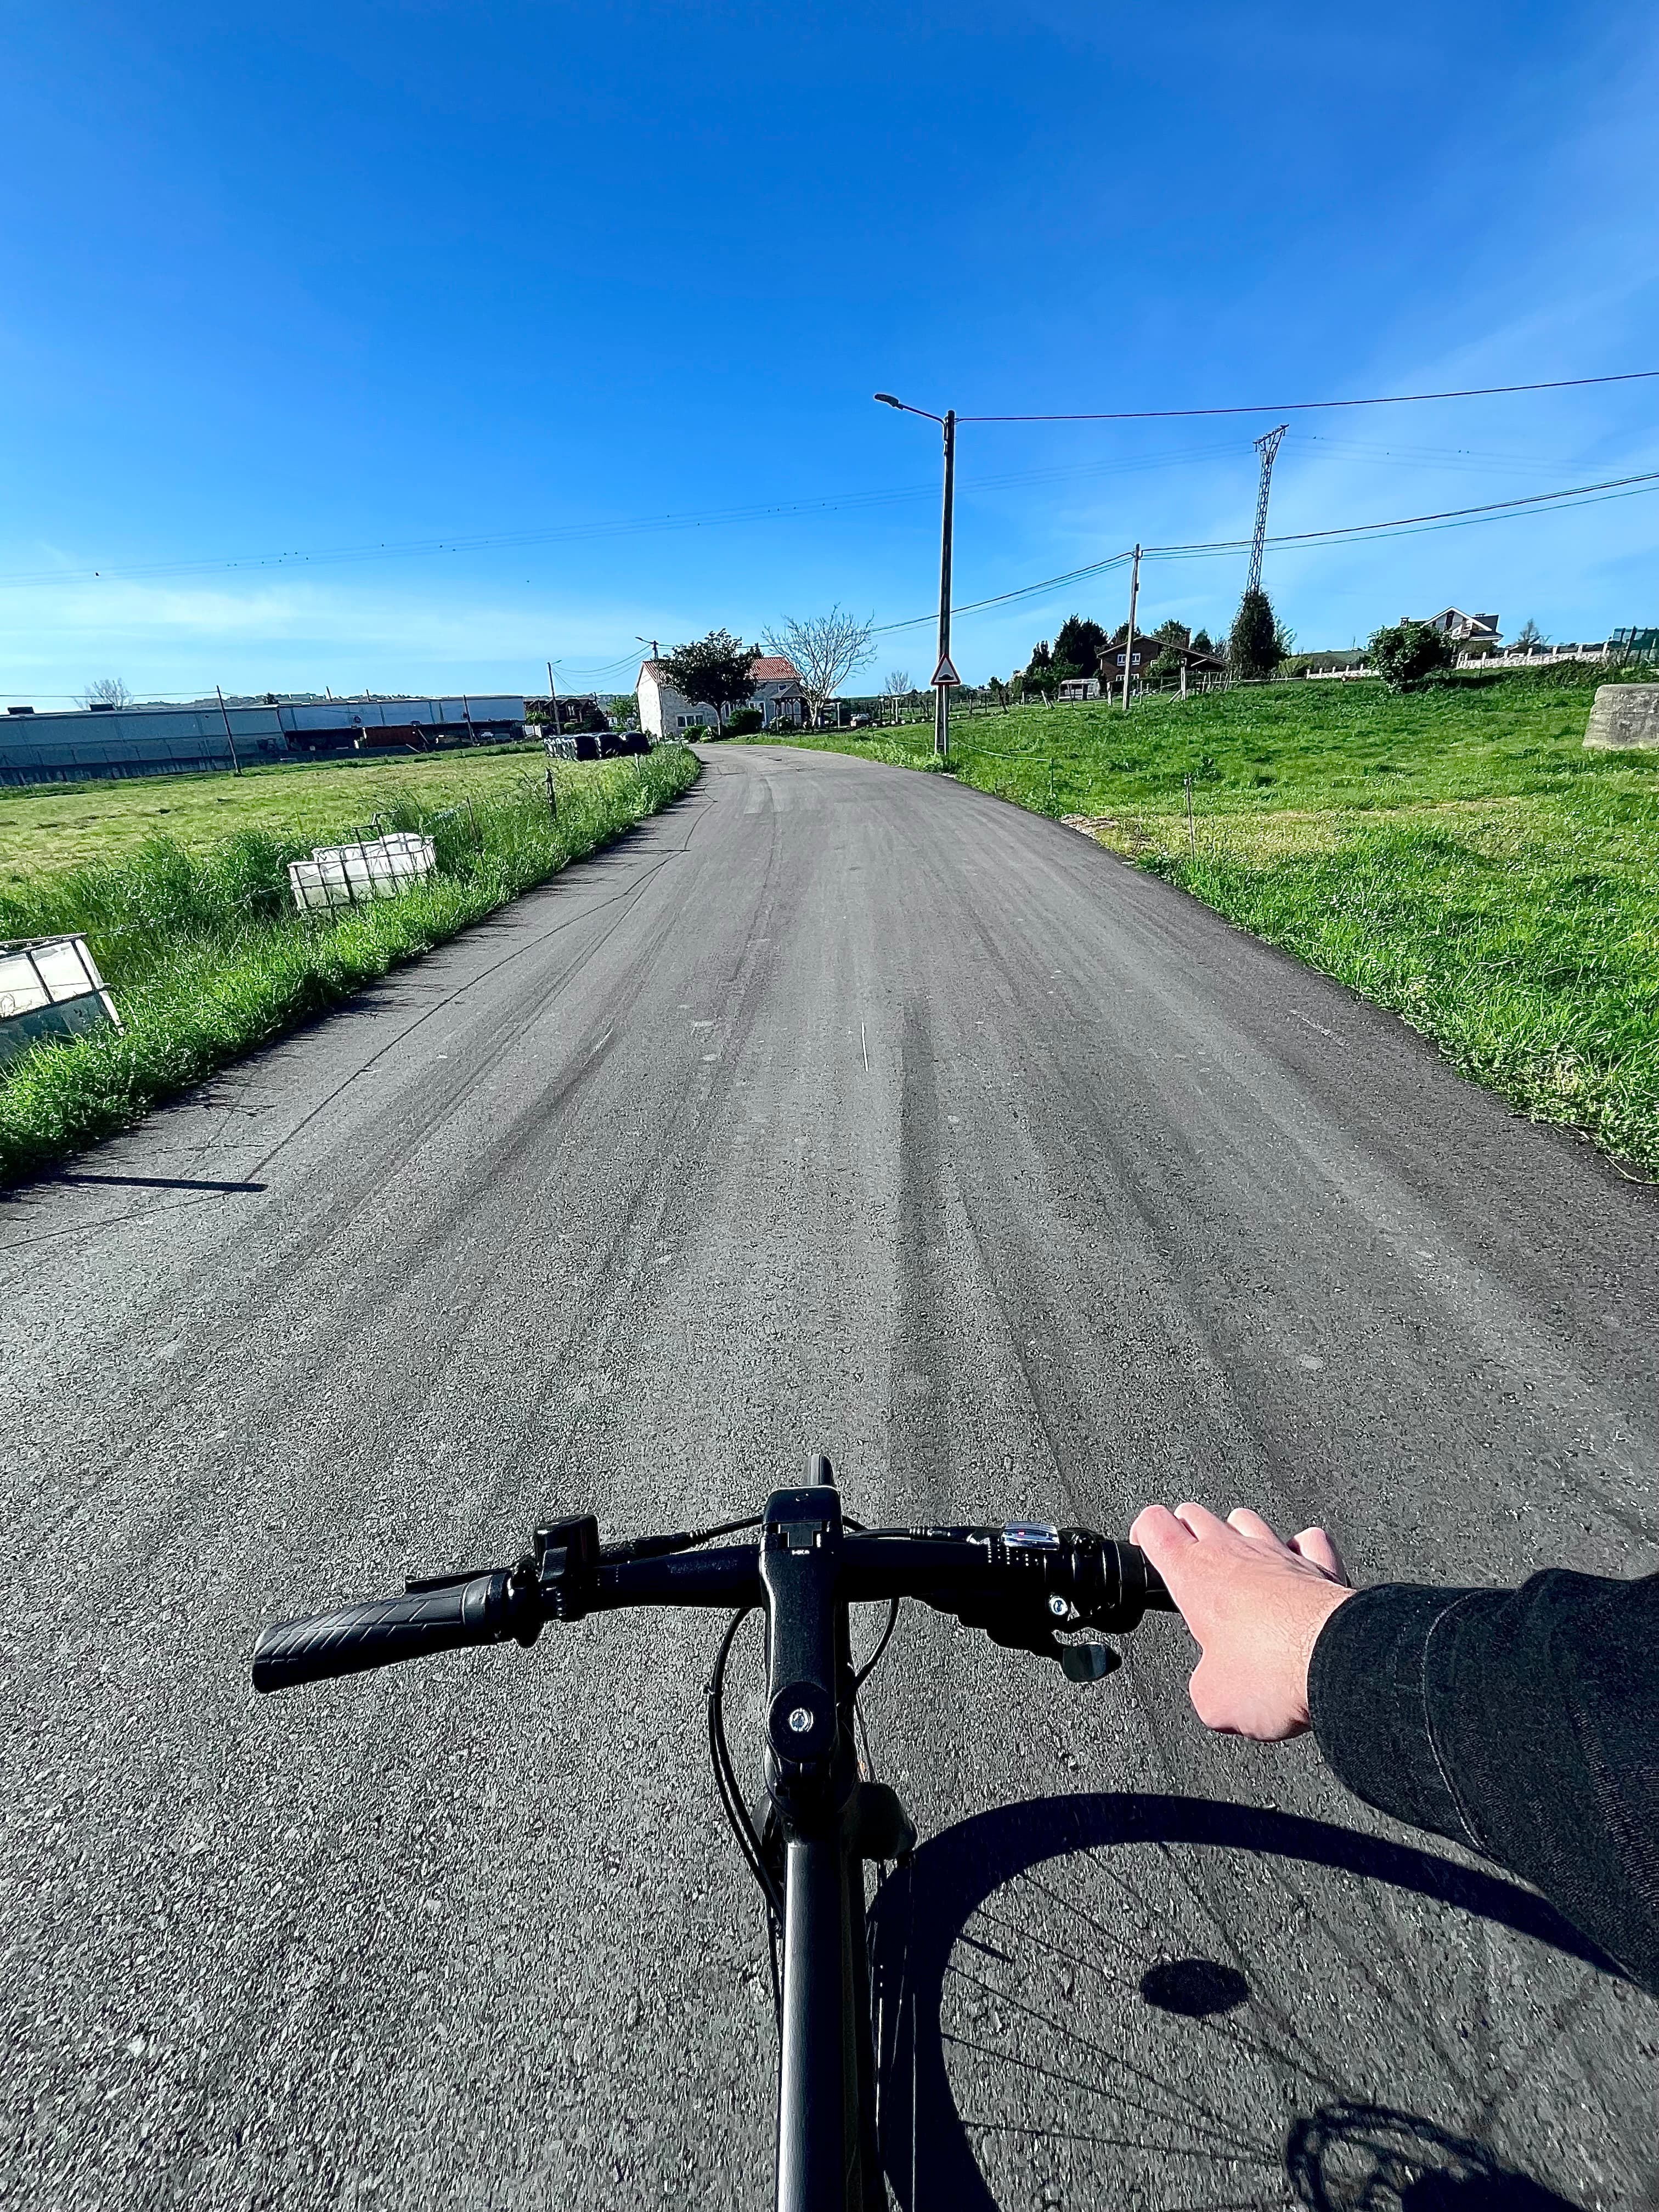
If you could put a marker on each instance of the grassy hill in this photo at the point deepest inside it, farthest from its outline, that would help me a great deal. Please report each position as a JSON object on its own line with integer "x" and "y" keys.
{"x": 1455, "y": 854}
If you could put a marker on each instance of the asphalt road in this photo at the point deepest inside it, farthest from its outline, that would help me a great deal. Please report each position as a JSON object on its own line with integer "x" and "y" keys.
{"x": 836, "y": 1107}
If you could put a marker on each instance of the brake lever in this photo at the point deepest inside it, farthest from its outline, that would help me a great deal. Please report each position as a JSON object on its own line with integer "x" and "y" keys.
{"x": 1080, "y": 1662}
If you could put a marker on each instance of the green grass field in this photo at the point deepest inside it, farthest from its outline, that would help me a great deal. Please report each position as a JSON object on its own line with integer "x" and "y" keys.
{"x": 1455, "y": 854}
{"x": 195, "y": 933}
{"x": 52, "y": 827}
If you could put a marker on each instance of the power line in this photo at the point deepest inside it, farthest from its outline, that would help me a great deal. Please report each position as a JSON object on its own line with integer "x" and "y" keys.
{"x": 1311, "y": 406}
{"x": 1022, "y": 591}
{"x": 524, "y": 540}
{"x": 1352, "y": 529}
{"x": 1446, "y": 517}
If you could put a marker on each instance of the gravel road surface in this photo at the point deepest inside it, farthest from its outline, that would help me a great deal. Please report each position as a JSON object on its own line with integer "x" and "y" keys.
{"x": 836, "y": 1107}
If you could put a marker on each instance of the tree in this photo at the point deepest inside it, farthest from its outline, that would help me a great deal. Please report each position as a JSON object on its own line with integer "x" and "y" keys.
{"x": 896, "y": 684}
{"x": 623, "y": 710}
{"x": 1201, "y": 642}
{"x": 107, "y": 691}
{"x": 999, "y": 691}
{"x": 712, "y": 671}
{"x": 1079, "y": 644}
{"x": 1252, "y": 648}
{"x": 1407, "y": 654}
{"x": 1174, "y": 633}
{"x": 1039, "y": 674}
{"x": 1169, "y": 662}
{"x": 824, "y": 650}
{"x": 1529, "y": 638}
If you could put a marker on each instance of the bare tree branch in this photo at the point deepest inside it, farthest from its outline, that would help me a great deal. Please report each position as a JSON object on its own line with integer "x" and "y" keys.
{"x": 107, "y": 691}
{"x": 825, "y": 650}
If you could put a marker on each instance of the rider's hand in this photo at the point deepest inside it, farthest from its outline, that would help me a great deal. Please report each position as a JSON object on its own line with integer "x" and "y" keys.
{"x": 1256, "y": 1607}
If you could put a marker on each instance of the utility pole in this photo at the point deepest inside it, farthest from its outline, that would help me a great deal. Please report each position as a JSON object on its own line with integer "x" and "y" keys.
{"x": 553, "y": 700}
{"x": 942, "y": 690}
{"x": 944, "y": 674}
{"x": 1129, "y": 640}
{"x": 1266, "y": 448}
{"x": 230, "y": 734}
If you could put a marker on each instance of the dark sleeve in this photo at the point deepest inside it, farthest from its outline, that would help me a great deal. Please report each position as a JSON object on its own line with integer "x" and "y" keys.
{"x": 1524, "y": 1724}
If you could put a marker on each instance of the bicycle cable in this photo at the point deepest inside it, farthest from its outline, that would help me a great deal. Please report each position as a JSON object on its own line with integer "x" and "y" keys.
{"x": 882, "y": 1642}
{"x": 732, "y": 1800}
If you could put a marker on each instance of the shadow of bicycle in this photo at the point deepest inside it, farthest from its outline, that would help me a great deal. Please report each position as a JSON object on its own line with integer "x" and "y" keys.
{"x": 1175, "y": 2002}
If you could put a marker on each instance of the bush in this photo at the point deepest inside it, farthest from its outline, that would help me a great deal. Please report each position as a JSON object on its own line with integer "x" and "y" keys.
{"x": 1407, "y": 654}
{"x": 744, "y": 722}
{"x": 1169, "y": 663}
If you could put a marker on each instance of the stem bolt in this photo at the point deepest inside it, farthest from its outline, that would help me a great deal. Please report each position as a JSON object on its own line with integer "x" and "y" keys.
{"x": 1059, "y": 1607}
{"x": 800, "y": 1720}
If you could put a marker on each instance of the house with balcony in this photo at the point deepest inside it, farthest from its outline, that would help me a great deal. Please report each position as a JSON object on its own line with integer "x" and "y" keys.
{"x": 1469, "y": 633}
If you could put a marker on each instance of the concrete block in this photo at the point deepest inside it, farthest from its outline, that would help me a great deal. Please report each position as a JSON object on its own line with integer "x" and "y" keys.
{"x": 1623, "y": 715}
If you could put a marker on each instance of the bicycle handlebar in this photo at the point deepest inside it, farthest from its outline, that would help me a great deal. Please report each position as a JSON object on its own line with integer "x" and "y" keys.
{"x": 382, "y": 1630}
{"x": 1019, "y": 1584}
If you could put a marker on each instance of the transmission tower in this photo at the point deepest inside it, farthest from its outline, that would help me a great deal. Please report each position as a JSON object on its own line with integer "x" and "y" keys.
{"x": 1266, "y": 448}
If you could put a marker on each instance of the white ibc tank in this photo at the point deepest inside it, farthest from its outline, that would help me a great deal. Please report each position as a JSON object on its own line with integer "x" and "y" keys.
{"x": 50, "y": 987}
{"x": 350, "y": 875}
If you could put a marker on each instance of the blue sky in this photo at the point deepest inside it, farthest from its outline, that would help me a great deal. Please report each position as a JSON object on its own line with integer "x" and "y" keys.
{"x": 356, "y": 284}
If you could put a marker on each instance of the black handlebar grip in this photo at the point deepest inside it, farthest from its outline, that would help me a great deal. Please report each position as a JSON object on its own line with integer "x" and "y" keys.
{"x": 1157, "y": 1598}
{"x": 383, "y": 1631}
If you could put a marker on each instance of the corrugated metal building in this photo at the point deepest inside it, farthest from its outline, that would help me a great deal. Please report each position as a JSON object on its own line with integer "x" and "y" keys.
{"x": 76, "y": 746}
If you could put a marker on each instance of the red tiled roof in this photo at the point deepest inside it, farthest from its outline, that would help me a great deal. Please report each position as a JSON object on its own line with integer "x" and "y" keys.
{"x": 769, "y": 667}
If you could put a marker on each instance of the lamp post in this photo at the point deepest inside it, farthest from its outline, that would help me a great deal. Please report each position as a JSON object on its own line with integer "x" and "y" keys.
{"x": 944, "y": 675}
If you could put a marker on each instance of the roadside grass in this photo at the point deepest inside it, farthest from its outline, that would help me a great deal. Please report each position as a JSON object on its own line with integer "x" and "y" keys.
{"x": 207, "y": 958}
{"x": 1455, "y": 854}
{"x": 45, "y": 828}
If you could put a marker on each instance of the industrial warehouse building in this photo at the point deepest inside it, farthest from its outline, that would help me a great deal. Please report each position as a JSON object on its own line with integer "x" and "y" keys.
{"x": 76, "y": 746}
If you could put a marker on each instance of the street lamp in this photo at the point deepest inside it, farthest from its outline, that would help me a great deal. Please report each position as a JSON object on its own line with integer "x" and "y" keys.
{"x": 944, "y": 675}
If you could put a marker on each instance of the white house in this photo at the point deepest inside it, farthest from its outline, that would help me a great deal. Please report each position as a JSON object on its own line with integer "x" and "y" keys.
{"x": 667, "y": 713}
{"x": 1467, "y": 630}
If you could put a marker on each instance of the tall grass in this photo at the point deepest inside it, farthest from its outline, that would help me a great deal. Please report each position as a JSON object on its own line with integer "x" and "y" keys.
{"x": 207, "y": 958}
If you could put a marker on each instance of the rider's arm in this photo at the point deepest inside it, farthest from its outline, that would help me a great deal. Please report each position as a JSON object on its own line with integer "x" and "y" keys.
{"x": 1524, "y": 1723}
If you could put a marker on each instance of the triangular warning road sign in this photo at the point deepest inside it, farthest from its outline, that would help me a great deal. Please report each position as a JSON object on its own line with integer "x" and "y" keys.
{"x": 945, "y": 673}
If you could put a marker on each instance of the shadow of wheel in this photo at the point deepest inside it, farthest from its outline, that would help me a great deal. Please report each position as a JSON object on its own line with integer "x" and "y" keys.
{"x": 1174, "y": 2002}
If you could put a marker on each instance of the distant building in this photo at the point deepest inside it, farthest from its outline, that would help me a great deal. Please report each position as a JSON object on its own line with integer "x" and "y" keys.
{"x": 779, "y": 696}
{"x": 1143, "y": 651}
{"x": 83, "y": 744}
{"x": 1470, "y": 632}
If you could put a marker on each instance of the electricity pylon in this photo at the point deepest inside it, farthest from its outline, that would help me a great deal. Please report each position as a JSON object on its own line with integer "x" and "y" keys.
{"x": 1266, "y": 448}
